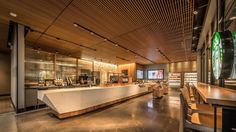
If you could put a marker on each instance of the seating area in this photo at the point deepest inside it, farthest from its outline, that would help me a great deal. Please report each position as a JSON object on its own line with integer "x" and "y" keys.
{"x": 158, "y": 88}
{"x": 195, "y": 114}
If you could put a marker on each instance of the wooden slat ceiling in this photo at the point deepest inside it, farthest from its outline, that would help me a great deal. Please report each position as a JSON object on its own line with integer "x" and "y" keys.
{"x": 146, "y": 31}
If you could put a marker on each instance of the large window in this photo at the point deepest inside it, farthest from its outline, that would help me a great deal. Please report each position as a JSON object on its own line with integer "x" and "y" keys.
{"x": 156, "y": 74}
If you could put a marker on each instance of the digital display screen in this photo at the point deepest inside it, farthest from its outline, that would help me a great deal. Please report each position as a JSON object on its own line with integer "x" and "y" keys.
{"x": 217, "y": 53}
{"x": 156, "y": 74}
{"x": 139, "y": 74}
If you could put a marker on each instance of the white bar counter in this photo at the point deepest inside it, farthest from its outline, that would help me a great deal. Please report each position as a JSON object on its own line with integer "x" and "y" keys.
{"x": 74, "y": 101}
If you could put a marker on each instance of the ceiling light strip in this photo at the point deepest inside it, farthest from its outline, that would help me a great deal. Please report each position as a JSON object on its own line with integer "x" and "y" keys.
{"x": 122, "y": 58}
{"x": 60, "y": 13}
{"x": 109, "y": 40}
{"x": 49, "y": 35}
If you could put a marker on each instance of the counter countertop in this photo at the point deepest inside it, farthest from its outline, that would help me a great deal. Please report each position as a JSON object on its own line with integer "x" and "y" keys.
{"x": 55, "y": 87}
{"x": 216, "y": 95}
{"x": 74, "y": 99}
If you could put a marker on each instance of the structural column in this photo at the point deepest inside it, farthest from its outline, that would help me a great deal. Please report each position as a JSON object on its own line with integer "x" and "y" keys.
{"x": 18, "y": 67}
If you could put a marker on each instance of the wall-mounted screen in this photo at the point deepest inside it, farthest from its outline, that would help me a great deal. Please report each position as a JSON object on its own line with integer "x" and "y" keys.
{"x": 124, "y": 72}
{"x": 156, "y": 74}
{"x": 139, "y": 74}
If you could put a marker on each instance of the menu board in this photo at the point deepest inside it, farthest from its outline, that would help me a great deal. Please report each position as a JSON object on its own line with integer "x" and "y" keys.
{"x": 217, "y": 53}
{"x": 139, "y": 74}
{"x": 156, "y": 74}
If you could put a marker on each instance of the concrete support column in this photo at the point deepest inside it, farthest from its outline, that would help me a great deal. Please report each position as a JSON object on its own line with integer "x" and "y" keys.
{"x": 18, "y": 68}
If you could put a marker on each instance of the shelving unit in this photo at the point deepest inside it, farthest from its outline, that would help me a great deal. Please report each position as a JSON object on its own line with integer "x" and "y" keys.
{"x": 174, "y": 80}
{"x": 190, "y": 77}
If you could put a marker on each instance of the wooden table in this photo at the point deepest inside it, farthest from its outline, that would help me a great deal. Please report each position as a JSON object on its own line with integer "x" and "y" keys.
{"x": 217, "y": 96}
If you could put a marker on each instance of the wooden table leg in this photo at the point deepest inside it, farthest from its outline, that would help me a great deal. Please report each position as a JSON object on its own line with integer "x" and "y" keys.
{"x": 215, "y": 118}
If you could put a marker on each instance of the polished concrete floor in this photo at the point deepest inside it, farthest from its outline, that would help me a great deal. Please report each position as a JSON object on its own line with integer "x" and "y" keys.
{"x": 5, "y": 104}
{"x": 136, "y": 115}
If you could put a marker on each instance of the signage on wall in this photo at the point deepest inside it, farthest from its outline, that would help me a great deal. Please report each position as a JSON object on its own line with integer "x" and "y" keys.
{"x": 233, "y": 73}
{"x": 222, "y": 54}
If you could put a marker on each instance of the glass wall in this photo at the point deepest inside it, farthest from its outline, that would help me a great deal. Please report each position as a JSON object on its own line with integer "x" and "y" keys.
{"x": 103, "y": 70}
{"x": 41, "y": 66}
{"x": 66, "y": 68}
{"x": 38, "y": 66}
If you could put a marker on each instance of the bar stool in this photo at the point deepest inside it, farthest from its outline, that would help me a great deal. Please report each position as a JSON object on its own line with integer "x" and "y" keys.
{"x": 196, "y": 121}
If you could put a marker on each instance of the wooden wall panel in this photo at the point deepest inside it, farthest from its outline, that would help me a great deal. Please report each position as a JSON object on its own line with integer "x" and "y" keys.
{"x": 131, "y": 70}
{"x": 187, "y": 66}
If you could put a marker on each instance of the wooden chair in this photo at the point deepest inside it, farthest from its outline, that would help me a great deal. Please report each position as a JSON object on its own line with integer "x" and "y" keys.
{"x": 157, "y": 91}
{"x": 198, "y": 108}
{"x": 190, "y": 92}
{"x": 165, "y": 87}
{"x": 196, "y": 121}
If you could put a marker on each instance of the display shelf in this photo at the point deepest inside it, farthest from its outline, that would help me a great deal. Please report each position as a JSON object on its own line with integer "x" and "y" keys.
{"x": 174, "y": 80}
{"x": 190, "y": 77}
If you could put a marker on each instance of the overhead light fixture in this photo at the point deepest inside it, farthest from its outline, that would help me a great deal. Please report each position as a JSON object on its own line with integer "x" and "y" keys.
{"x": 13, "y": 14}
{"x": 195, "y": 12}
{"x": 232, "y": 18}
{"x": 197, "y": 27}
{"x": 75, "y": 24}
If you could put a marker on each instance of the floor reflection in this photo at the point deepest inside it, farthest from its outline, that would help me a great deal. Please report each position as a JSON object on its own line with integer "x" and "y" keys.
{"x": 139, "y": 114}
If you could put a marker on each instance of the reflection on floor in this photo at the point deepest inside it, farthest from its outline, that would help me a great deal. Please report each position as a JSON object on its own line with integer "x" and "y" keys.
{"x": 139, "y": 114}
{"x": 5, "y": 105}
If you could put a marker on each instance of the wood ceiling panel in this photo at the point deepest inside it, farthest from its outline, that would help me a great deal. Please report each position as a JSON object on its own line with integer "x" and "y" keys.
{"x": 140, "y": 26}
{"x": 37, "y": 14}
{"x": 3, "y": 36}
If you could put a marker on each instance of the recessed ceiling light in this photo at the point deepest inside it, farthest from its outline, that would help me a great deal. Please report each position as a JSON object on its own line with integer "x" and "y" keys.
{"x": 13, "y": 14}
{"x": 232, "y": 18}
{"x": 75, "y": 24}
{"x": 195, "y": 12}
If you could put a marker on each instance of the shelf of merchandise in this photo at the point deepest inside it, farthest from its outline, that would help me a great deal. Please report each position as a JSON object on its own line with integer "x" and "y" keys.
{"x": 230, "y": 82}
{"x": 174, "y": 80}
{"x": 190, "y": 77}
